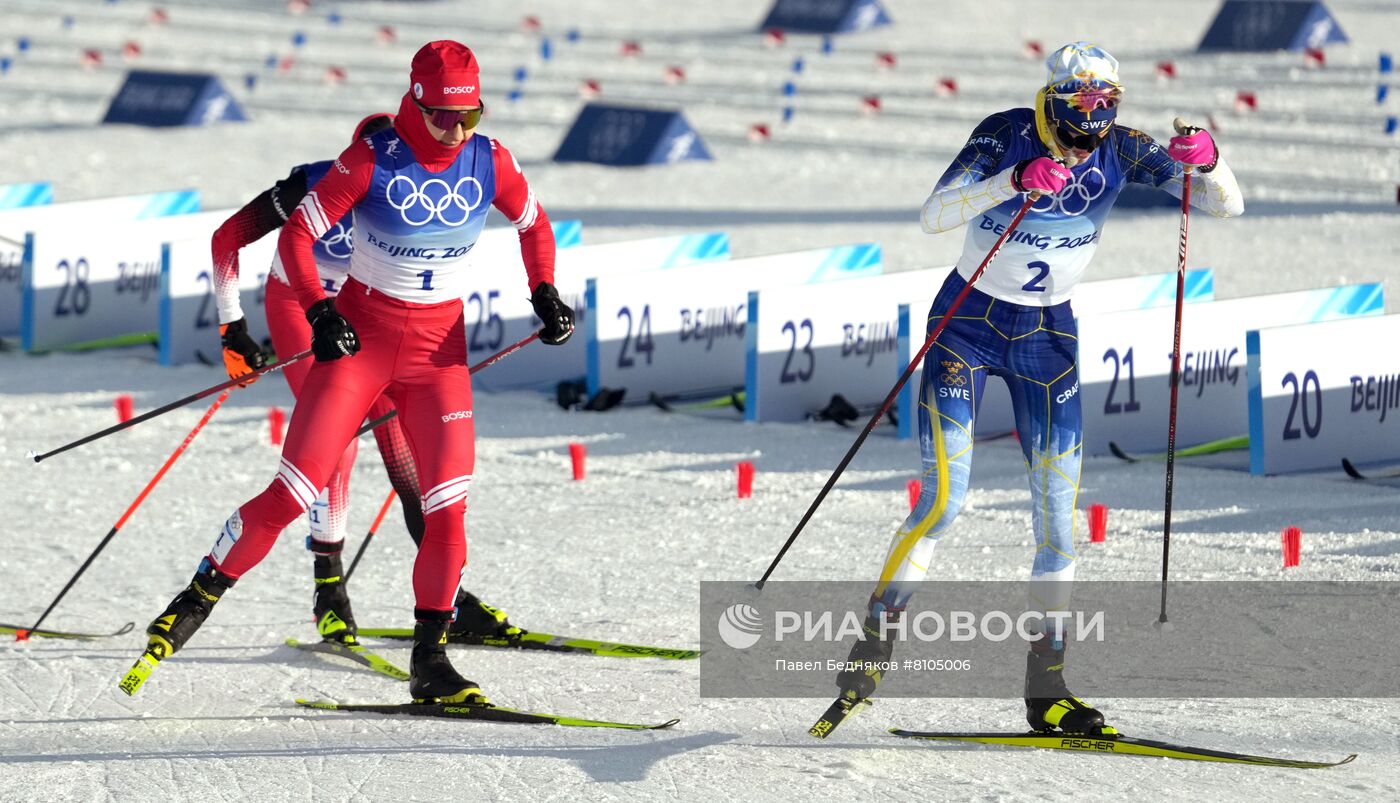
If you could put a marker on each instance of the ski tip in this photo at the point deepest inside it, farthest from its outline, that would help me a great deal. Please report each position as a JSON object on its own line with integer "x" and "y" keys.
{"x": 671, "y": 723}
{"x": 126, "y": 628}
{"x": 1119, "y": 453}
{"x": 1351, "y": 471}
{"x": 325, "y": 705}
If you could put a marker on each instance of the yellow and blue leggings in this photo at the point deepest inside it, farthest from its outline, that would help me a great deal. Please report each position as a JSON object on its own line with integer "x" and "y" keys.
{"x": 1033, "y": 349}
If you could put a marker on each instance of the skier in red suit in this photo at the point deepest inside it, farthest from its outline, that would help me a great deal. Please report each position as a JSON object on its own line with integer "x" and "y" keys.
{"x": 420, "y": 193}
{"x": 291, "y": 334}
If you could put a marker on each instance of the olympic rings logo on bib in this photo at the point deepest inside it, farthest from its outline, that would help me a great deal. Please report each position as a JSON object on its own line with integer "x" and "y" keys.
{"x": 418, "y": 205}
{"x": 1077, "y": 195}
{"x": 338, "y": 241}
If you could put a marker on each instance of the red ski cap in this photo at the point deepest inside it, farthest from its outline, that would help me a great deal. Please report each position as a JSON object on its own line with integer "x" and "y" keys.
{"x": 445, "y": 73}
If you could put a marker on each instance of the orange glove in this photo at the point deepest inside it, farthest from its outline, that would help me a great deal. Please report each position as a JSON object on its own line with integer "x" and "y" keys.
{"x": 242, "y": 355}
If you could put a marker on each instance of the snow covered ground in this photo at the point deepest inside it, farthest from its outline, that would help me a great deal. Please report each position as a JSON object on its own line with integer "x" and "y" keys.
{"x": 619, "y": 555}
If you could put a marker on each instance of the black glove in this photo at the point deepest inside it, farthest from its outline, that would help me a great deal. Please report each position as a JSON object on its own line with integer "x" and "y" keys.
{"x": 332, "y": 337}
{"x": 242, "y": 354}
{"x": 558, "y": 318}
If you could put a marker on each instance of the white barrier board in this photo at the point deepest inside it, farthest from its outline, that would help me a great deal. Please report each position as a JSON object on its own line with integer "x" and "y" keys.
{"x": 62, "y": 219}
{"x": 809, "y": 342}
{"x": 499, "y": 313}
{"x": 683, "y": 330}
{"x": 99, "y": 282}
{"x": 1324, "y": 391}
{"x": 1125, "y": 365}
{"x": 994, "y": 412}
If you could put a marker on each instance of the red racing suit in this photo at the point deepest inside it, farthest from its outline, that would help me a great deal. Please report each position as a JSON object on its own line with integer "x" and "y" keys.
{"x": 418, "y": 207}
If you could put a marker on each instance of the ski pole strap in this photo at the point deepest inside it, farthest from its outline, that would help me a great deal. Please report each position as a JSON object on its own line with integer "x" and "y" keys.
{"x": 178, "y": 403}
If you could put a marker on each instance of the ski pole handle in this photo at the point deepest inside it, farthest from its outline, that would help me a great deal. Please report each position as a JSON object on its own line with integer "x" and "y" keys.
{"x": 178, "y": 403}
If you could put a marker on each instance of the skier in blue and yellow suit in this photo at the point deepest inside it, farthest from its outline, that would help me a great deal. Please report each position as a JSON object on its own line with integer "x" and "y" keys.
{"x": 1017, "y": 324}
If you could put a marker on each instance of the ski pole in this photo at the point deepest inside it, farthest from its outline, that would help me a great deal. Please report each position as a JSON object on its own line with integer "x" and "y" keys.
{"x": 492, "y": 360}
{"x": 894, "y": 391}
{"x": 193, "y": 397}
{"x": 1176, "y": 373}
{"x": 169, "y": 461}
{"x": 389, "y": 500}
{"x": 373, "y": 528}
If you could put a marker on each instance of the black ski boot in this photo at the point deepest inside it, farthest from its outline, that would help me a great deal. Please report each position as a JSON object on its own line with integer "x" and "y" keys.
{"x": 476, "y": 620}
{"x": 432, "y": 678}
{"x": 868, "y": 660}
{"x": 331, "y": 607}
{"x": 1049, "y": 705}
{"x": 183, "y": 616}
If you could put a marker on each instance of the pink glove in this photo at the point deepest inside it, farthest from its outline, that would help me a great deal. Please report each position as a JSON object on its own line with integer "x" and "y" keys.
{"x": 1041, "y": 174}
{"x": 1193, "y": 147}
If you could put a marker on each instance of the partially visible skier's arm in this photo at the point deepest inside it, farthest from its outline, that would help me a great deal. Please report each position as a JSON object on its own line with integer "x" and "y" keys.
{"x": 971, "y": 185}
{"x": 1213, "y": 186}
{"x": 343, "y": 185}
{"x": 258, "y": 218}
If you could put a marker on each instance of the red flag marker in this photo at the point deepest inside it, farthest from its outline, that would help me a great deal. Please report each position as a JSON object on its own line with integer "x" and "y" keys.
{"x": 159, "y": 16}
{"x": 1166, "y": 69}
{"x": 915, "y": 488}
{"x": 335, "y": 75}
{"x": 589, "y": 89}
{"x": 675, "y": 74}
{"x": 124, "y": 411}
{"x": 90, "y": 58}
{"x": 885, "y": 60}
{"x": 577, "y": 454}
{"x": 870, "y": 104}
{"x": 774, "y": 37}
{"x": 531, "y": 24}
{"x": 1246, "y": 102}
{"x": 1098, "y": 524}
{"x": 630, "y": 49}
{"x": 946, "y": 87}
{"x": 745, "y": 470}
{"x": 1292, "y": 547}
{"x": 1314, "y": 57}
{"x": 1032, "y": 49}
{"x": 276, "y": 425}
{"x": 759, "y": 133}
{"x": 386, "y": 35}
{"x": 131, "y": 51}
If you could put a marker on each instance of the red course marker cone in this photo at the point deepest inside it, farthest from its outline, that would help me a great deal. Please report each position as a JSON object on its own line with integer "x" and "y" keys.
{"x": 1098, "y": 523}
{"x": 745, "y": 479}
{"x": 123, "y": 405}
{"x": 577, "y": 454}
{"x": 276, "y": 425}
{"x": 1292, "y": 546}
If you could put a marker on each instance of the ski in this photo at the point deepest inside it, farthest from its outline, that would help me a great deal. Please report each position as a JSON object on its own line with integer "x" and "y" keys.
{"x": 547, "y": 642}
{"x": 839, "y": 711}
{"x": 1122, "y": 745}
{"x": 22, "y": 633}
{"x": 480, "y": 712}
{"x": 1231, "y": 444}
{"x": 1354, "y": 473}
{"x": 354, "y": 652}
